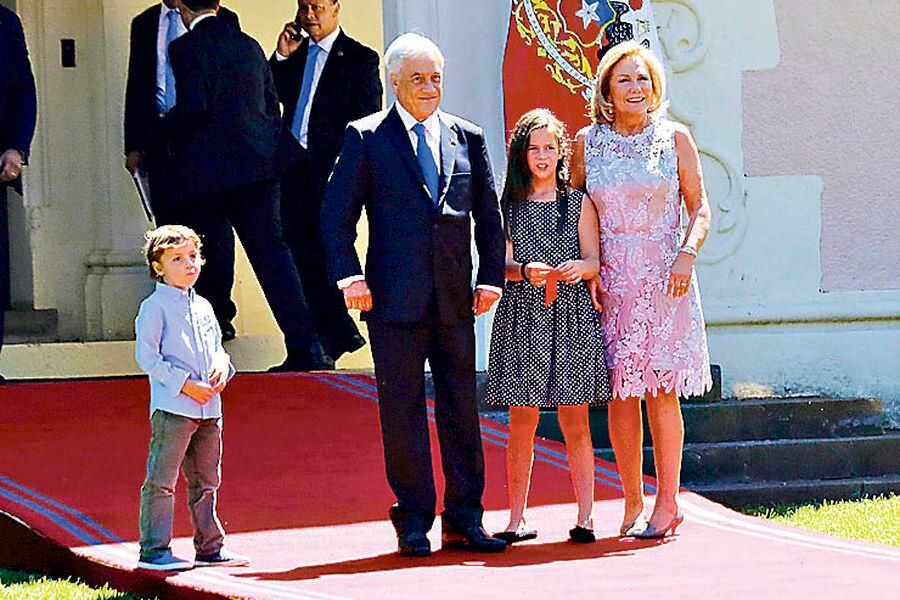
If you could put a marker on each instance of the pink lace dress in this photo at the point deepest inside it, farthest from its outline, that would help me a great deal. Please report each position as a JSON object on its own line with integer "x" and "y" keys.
{"x": 652, "y": 340}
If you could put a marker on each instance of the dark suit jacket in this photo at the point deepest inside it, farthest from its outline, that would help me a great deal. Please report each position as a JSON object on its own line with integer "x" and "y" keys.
{"x": 224, "y": 129}
{"x": 18, "y": 100}
{"x": 141, "y": 115}
{"x": 349, "y": 89}
{"x": 416, "y": 252}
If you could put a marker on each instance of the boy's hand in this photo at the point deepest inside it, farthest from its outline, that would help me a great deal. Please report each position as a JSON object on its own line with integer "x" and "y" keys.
{"x": 199, "y": 391}
{"x": 218, "y": 380}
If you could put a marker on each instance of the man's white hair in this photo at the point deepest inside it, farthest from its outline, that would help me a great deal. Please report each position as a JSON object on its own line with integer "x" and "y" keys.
{"x": 408, "y": 45}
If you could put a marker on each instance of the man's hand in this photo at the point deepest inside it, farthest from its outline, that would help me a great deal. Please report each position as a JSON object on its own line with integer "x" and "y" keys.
{"x": 199, "y": 391}
{"x": 357, "y": 296}
{"x": 134, "y": 162}
{"x": 484, "y": 300}
{"x": 595, "y": 286}
{"x": 10, "y": 165}
{"x": 287, "y": 45}
{"x": 536, "y": 273}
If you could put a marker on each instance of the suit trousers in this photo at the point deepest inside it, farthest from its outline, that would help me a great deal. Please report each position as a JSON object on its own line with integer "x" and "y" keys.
{"x": 4, "y": 260}
{"x": 252, "y": 211}
{"x": 400, "y": 352}
{"x": 302, "y": 191}
{"x": 194, "y": 446}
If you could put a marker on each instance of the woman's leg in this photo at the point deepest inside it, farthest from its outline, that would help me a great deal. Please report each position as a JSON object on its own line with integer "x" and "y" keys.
{"x": 667, "y": 429}
{"x": 523, "y": 422}
{"x": 626, "y": 431}
{"x": 573, "y": 420}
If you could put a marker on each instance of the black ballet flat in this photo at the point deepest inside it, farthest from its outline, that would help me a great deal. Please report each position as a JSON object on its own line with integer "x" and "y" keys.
{"x": 582, "y": 535}
{"x": 519, "y": 535}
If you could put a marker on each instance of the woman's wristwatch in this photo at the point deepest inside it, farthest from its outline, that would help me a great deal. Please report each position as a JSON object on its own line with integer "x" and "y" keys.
{"x": 522, "y": 271}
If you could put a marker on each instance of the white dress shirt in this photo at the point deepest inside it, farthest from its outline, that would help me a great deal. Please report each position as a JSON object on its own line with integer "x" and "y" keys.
{"x": 433, "y": 139}
{"x": 200, "y": 18}
{"x": 325, "y": 45}
{"x": 162, "y": 55}
{"x": 432, "y": 132}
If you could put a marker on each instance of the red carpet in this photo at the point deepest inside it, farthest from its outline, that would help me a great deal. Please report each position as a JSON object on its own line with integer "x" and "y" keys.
{"x": 304, "y": 496}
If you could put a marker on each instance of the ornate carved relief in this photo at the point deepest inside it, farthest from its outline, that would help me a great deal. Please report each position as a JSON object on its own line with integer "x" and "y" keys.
{"x": 681, "y": 33}
{"x": 684, "y": 40}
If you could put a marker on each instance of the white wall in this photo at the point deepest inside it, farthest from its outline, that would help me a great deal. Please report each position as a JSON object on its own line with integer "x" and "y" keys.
{"x": 769, "y": 325}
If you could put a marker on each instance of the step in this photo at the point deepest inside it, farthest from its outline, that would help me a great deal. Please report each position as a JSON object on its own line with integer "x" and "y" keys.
{"x": 30, "y": 326}
{"x": 756, "y": 419}
{"x": 771, "y": 493}
{"x": 768, "y": 460}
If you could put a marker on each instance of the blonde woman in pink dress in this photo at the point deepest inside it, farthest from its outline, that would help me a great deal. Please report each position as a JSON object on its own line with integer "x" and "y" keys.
{"x": 639, "y": 169}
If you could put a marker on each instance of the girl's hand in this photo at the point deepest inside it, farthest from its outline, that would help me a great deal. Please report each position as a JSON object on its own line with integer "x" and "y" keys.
{"x": 572, "y": 271}
{"x": 537, "y": 273}
{"x": 680, "y": 275}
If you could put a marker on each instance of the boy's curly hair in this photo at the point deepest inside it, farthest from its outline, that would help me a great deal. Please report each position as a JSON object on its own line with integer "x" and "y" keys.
{"x": 168, "y": 236}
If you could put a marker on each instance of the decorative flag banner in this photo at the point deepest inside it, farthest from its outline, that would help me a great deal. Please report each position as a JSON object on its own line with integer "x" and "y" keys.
{"x": 554, "y": 47}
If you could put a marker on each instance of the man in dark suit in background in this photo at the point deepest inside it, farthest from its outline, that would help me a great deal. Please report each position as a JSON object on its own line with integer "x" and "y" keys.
{"x": 324, "y": 81}
{"x": 423, "y": 176}
{"x": 150, "y": 94}
{"x": 18, "y": 116}
{"x": 224, "y": 132}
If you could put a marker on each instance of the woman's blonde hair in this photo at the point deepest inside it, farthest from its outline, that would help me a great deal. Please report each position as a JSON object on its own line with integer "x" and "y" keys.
{"x": 601, "y": 108}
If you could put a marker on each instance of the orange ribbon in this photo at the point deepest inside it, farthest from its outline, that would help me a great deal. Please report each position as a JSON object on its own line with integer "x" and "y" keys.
{"x": 551, "y": 288}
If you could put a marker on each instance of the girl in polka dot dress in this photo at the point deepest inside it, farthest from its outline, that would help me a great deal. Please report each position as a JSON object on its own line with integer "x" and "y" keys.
{"x": 546, "y": 345}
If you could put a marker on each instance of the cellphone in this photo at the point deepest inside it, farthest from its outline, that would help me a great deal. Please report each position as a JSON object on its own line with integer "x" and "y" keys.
{"x": 296, "y": 36}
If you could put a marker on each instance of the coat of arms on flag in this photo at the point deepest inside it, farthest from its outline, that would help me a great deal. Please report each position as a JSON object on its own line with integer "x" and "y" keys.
{"x": 553, "y": 49}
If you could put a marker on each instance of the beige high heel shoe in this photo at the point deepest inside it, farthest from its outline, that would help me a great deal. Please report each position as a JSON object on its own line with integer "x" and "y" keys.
{"x": 651, "y": 533}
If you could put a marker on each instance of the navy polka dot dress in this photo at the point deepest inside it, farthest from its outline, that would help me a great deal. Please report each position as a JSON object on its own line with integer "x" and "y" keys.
{"x": 546, "y": 356}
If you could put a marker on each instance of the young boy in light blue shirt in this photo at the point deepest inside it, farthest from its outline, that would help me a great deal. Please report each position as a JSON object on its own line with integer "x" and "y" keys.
{"x": 179, "y": 345}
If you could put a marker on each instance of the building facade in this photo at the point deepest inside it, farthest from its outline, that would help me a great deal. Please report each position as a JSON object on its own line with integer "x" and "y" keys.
{"x": 789, "y": 103}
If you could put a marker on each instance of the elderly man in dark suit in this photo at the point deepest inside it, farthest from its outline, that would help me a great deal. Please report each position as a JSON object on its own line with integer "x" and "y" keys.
{"x": 423, "y": 177}
{"x": 149, "y": 95}
{"x": 224, "y": 132}
{"x": 18, "y": 115}
{"x": 324, "y": 79}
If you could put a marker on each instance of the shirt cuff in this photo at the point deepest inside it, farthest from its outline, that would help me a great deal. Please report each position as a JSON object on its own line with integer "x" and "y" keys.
{"x": 279, "y": 57}
{"x": 348, "y": 281}
{"x": 490, "y": 288}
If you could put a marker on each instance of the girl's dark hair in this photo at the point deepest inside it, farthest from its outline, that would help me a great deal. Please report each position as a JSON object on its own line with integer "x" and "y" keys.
{"x": 518, "y": 175}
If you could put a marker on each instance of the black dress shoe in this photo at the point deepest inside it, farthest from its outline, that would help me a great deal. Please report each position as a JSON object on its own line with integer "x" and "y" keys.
{"x": 228, "y": 332}
{"x": 474, "y": 539}
{"x": 348, "y": 346}
{"x": 582, "y": 535}
{"x": 519, "y": 535}
{"x": 413, "y": 544}
{"x": 294, "y": 365}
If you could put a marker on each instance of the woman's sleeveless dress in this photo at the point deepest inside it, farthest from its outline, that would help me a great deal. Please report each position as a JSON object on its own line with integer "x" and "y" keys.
{"x": 546, "y": 355}
{"x": 652, "y": 340}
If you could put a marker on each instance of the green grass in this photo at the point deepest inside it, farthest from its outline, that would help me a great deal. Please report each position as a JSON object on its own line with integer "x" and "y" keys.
{"x": 870, "y": 519}
{"x": 15, "y": 585}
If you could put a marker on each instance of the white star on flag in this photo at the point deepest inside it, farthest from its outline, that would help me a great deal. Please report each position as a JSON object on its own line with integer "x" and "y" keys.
{"x": 588, "y": 12}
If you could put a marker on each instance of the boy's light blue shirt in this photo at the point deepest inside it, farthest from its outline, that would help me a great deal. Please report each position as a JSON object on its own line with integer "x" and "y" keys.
{"x": 178, "y": 338}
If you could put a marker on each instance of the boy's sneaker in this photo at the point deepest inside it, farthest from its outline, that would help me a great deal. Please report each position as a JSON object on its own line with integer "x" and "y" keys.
{"x": 164, "y": 562}
{"x": 222, "y": 558}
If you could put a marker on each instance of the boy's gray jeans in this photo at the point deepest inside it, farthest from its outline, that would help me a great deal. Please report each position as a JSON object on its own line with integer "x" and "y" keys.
{"x": 194, "y": 445}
